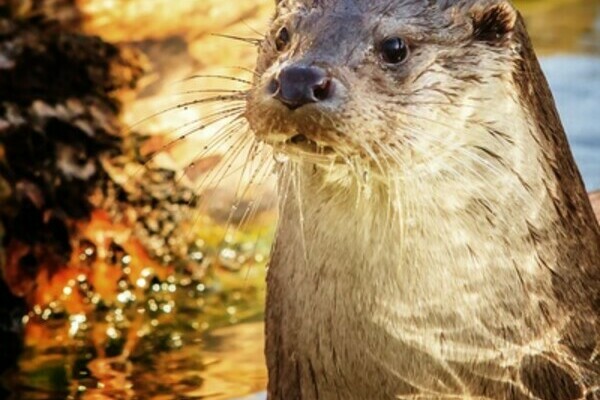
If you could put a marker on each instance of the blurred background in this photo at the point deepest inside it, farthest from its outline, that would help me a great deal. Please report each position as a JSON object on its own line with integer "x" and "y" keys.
{"x": 132, "y": 263}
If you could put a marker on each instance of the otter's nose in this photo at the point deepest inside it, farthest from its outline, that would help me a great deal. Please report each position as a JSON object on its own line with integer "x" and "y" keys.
{"x": 297, "y": 86}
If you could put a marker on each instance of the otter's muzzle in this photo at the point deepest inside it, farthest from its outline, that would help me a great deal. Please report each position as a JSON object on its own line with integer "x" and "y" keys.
{"x": 297, "y": 86}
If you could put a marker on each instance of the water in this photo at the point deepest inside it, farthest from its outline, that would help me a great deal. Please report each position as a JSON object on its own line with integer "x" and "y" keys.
{"x": 575, "y": 81}
{"x": 210, "y": 347}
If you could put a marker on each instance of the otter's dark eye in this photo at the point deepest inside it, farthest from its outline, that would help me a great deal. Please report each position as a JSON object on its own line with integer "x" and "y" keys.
{"x": 394, "y": 50}
{"x": 283, "y": 39}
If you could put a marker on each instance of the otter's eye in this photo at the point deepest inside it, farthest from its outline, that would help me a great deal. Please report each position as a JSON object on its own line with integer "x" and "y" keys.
{"x": 394, "y": 50}
{"x": 283, "y": 39}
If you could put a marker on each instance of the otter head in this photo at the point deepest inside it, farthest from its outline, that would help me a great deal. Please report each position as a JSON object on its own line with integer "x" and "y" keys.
{"x": 394, "y": 81}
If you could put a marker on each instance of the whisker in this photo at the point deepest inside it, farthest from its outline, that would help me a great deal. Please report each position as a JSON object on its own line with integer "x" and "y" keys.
{"x": 220, "y": 117}
{"x": 209, "y": 179}
{"x": 226, "y": 163}
{"x": 253, "y": 205}
{"x": 254, "y": 210}
{"x": 211, "y": 91}
{"x": 251, "y": 41}
{"x": 254, "y": 30}
{"x": 222, "y": 111}
{"x": 237, "y": 195}
{"x": 212, "y": 76}
{"x": 220, "y": 137}
{"x": 245, "y": 69}
{"x": 233, "y": 172}
{"x": 186, "y": 105}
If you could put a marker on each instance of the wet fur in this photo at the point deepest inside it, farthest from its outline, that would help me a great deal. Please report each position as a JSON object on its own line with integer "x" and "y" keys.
{"x": 451, "y": 251}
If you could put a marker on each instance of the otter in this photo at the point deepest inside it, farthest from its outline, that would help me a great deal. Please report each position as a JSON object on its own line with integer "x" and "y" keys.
{"x": 435, "y": 239}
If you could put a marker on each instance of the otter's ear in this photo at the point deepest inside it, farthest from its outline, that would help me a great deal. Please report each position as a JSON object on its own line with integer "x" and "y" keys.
{"x": 493, "y": 23}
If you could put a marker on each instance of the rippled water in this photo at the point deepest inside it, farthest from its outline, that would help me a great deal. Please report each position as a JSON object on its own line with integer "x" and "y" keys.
{"x": 210, "y": 346}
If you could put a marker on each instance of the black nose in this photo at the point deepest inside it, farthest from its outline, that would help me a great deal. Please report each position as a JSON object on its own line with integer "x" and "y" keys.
{"x": 297, "y": 86}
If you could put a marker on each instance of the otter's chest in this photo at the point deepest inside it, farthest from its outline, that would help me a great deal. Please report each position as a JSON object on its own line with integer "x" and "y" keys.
{"x": 360, "y": 312}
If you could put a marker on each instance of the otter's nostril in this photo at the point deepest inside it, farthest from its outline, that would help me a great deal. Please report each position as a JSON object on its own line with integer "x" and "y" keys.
{"x": 323, "y": 91}
{"x": 273, "y": 87}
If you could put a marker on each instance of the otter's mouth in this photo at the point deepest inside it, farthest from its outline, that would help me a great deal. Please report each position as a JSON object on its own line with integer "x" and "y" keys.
{"x": 304, "y": 143}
